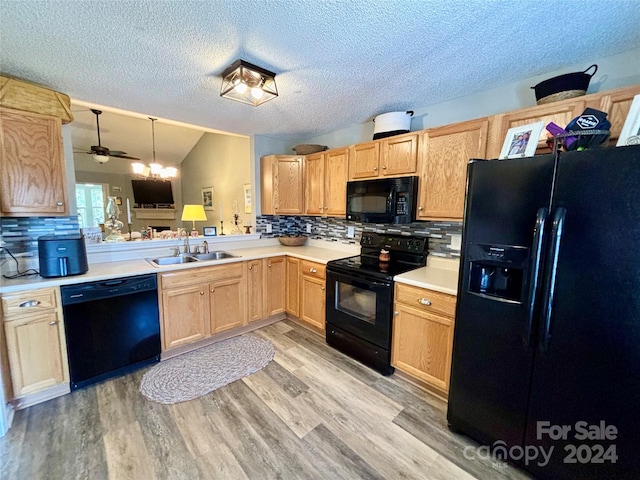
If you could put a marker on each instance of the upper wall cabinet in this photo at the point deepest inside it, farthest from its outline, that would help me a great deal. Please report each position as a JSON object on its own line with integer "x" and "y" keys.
{"x": 617, "y": 104}
{"x": 32, "y": 170}
{"x": 443, "y": 158}
{"x": 281, "y": 191}
{"x": 326, "y": 176}
{"x": 392, "y": 156}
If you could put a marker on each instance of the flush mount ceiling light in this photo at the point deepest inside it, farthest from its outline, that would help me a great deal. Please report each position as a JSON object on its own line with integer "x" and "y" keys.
{"x": 247, "y": 83}
{"x": 154, "y": 171}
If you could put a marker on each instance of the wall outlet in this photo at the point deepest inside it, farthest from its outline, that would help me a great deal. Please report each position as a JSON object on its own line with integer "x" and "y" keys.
{"x": 269, "y": 228}
{"x": 456, "y": 241}
{"x": 351, "y": 232}
{"x": 308, "y": 228}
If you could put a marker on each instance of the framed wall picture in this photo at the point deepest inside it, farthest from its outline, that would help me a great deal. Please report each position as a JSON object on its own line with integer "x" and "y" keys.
{"x": 207, "y": 198}
{"x": 209, "y": 231}
{"x": 247, "y": 197}
{"x": 522, "y": 141}
{"x": 630, "y": 134}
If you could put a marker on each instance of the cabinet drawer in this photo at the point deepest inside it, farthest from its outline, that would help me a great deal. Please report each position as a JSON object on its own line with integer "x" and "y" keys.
{"x": 427, "y": 300}
{"x": 28, "y": 302}
{"x": 200, "y": 275}
{"x": 312, "y": 269}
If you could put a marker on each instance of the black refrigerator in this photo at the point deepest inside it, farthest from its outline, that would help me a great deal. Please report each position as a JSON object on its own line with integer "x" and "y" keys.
{"x": 546, "y": 353}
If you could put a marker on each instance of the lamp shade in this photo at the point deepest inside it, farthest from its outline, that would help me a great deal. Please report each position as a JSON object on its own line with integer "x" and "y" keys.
{"x": 247, "y": 83}
{"x": 193, "y": 213}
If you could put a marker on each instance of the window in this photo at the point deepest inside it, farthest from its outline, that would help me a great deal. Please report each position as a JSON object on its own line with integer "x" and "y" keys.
{"x": 90, "y": 198}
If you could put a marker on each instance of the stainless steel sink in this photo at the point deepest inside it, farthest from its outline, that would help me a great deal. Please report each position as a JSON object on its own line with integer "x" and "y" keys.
{"x": 188, "y": 258}
{"x": 219, "y": 255}
{"x": 172, "y": 260}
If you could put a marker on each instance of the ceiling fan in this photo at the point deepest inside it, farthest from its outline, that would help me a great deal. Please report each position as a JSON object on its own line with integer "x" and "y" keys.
{"x": 102, "y": 154}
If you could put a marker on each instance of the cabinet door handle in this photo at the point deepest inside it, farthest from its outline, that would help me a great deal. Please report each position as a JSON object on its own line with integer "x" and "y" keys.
{"x": 201, "y": 293}
{"x": 269, "y": 265}
{"x": 375, "y": 169}
{"x": 250, "y": 267}
{"x": 321, "y": 288}
{"x": 53, "y": 323}
{"x": 59, "y": 204}
{"x": 425, "y": 301}
{"x": 30, "y": 303}
{"x": 396, "y": 312}
{"x": 384, "y": 167}
{"x": 313, "y": 270}
{"x": 213, "y": 290}
{"x": 420, "y": 208}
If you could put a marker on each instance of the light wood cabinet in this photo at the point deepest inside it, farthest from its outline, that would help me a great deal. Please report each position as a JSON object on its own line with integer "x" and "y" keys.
{"x": 617, "y": 104}
{"x": 255, "y": 288}
{"x": 201, "y": 302}
{"x": 32, "y": 168}
{"x": 444, "y": 155}
{"x": 282, "y": 184}
{"x": 274, "y": 285}
{"x": 423, "y": 335}
{"x": 312, "y": 294}
{"x": 292, "y": 296}
{"x": 266, "y": 287}
{"x": 399, "y": 154}
{"x": 326, "y": 176}
{"x": 391, "y": 156}
{"x": 36, "y": 345}
{"x": 185, "y": 314}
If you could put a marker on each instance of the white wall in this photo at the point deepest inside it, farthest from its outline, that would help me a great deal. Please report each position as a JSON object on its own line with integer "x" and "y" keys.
{"x": 615, "y": 71}
{"x": 224, "y": 163}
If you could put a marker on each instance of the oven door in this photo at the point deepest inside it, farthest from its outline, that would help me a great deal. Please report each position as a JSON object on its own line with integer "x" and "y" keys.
{"x": 361, "y": 306}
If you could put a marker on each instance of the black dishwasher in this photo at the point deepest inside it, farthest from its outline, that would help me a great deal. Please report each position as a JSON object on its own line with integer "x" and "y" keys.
{"x": 112, "y": 327}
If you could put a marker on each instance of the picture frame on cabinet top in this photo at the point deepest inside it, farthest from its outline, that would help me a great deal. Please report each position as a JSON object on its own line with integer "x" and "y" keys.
{"x": 522, "y": 141}
{"x": 630, "y": 134}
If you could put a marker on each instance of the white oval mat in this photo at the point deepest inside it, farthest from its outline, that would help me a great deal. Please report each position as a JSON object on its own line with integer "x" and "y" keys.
{"x": 204, "y": 370}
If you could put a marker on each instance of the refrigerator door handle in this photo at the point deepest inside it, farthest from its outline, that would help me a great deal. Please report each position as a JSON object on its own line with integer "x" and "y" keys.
{"x": 556, "y": 234}
{"x": 538, "y": 239}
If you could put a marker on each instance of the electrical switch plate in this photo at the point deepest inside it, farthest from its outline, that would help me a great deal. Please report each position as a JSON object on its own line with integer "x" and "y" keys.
{"x": 269, "y": 228}
{"x": 351, "y": 232}
{"x": 308, "y": 228}
{"x": 456, "y": 242}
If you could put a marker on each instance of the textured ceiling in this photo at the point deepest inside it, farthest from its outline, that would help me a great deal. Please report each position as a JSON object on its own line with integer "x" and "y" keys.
{"x": 338, "y": 63}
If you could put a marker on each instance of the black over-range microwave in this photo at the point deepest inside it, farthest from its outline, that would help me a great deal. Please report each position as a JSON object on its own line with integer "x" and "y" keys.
{"x": 385, "y": 200}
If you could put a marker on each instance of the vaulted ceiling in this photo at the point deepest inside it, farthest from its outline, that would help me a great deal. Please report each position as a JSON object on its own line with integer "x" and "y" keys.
{"x": 338, "y": 63}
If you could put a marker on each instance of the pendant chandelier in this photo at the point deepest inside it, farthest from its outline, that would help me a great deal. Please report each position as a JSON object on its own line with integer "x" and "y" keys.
{"x": 247, "y": 83}
{"x": 154, "y": 171}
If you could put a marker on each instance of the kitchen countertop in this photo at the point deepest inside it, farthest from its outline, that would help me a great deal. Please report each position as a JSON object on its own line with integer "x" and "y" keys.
{"x": 440, "y": 274}
{"x": 316, "y": 251}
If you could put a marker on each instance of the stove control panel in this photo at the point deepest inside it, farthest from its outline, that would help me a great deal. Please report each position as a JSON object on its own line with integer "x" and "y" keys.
{"x": 397, "y": 243}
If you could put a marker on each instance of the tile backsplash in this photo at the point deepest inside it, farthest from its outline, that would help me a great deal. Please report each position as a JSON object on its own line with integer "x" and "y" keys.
{"x": 20, "y": 234}
{"x": 441, "y": 234}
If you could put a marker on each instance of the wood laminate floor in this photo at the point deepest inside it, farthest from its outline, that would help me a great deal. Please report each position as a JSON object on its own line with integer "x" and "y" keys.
{"x": 313, "y": 413}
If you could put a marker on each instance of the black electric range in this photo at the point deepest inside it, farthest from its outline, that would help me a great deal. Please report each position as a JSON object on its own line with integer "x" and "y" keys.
{"x": 359, "y": 313}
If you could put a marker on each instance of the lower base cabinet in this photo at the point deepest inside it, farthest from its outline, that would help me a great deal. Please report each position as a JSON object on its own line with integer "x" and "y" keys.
{"x": 292, "y": 288}
{"x": 312, "y": 294}
{"x": 266, "y": 280}
{"x": 198, "y": 303}
{"x": 423, "y": 335}
{"x": 35, "y": 340}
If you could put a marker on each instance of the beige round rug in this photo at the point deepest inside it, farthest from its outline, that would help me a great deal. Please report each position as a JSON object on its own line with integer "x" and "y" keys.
{"x": 204, "y": 370}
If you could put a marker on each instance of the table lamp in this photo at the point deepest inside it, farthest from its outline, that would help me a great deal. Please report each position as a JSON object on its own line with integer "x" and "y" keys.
{"x": 193, "y": 213}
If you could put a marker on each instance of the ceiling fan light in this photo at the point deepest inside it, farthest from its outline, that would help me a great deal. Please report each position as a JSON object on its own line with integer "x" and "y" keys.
{"x": 247, "y": 83}
{"x": 98, "y": 158}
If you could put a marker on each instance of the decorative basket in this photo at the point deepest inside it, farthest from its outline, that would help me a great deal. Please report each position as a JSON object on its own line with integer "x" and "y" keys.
{"x": 308, "y": 149}
{"x": 292, "y": 241}
{"x": 20, "y": 95}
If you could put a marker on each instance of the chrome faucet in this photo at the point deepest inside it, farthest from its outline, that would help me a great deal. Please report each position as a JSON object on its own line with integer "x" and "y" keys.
{"x": 205, "y": 247}
{"x": 186, "y": 240}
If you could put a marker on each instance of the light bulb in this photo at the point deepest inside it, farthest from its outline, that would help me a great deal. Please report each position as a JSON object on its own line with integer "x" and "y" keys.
{"x": 171, "y": 172}
{"x": 138, "y": 168}
{"x": 256, "y": 92}
{"x": 156, "y": 168}
{"x": 240, "y": 87}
